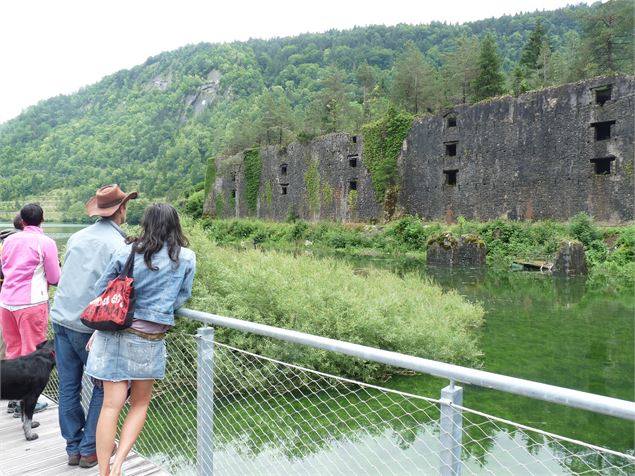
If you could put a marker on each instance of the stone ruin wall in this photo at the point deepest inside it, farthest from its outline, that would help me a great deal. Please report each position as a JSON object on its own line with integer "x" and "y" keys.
{"x": 547, "y": 154}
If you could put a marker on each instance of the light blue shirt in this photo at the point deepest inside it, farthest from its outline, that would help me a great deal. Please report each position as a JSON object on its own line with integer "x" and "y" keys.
{"x": 158, "y": 292}
{"x": 88, "y": 253}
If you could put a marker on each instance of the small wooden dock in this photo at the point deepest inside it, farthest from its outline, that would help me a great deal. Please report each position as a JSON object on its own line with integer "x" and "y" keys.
{"x": 46, "y": 455}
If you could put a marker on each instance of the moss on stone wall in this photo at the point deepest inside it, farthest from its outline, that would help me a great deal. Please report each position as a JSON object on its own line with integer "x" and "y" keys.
{"x": 210, "y": 176}
{"x": 220, "y": 205}
{"x": 268, "y": 194}
{"x": 312, "y": 183}
{"x": 253, "y": 167}
{"x": 382, "y": 145}
{"x": 327, "y": 194}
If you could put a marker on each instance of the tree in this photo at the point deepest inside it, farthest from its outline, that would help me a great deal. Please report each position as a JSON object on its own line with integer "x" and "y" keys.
{"x": 490, "y": 80}
{"x": 365, "y": 75}
{"x": 531, "y": 51}
{"x": 459, "y": 70}
{"x": 608, "y": 37}
{"x": 276, "y": 117}
{"x": 414, "y": 81}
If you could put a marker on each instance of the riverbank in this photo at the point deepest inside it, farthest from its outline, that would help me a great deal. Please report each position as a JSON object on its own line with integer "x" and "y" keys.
{"x": 610, "y": 251}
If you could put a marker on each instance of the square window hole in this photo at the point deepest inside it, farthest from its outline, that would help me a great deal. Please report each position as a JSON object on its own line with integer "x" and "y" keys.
{"x": 450, "y": 176}
{"x": 352, "y": 184}
{"x": 283, "y": 169}
{"x": 602, "y": 166}
{"x": 602, "y": 130}
{"x": 283, "y": 188}
{"x": 451, "y": 121}
{"x": 450, "y": 149}
{"x": 603, "y": 94}
{"x": 352, "y": 160}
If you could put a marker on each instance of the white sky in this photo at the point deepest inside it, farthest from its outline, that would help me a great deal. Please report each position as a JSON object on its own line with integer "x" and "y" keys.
{"x": 51, "y": 47}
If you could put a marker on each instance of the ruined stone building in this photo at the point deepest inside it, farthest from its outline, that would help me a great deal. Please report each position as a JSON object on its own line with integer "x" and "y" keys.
{"x": 547, "y": 154}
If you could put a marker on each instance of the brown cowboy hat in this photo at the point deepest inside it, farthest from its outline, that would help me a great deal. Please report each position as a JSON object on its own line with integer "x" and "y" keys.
{"x": 107, "y": 200}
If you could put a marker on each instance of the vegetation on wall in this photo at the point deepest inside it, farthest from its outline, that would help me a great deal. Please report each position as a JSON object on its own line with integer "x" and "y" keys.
{"x": 382, "y": 144}
{"x": 312, "y": 184}
{"x": 210, "y": 176}
{"x": 253, "y": 167}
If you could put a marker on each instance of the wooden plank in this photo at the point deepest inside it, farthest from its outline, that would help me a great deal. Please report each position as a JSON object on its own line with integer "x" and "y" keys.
{"x": 46, "y": 456}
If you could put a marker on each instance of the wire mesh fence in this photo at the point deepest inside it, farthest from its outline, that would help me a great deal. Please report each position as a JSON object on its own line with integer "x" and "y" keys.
{"x": 271, "y": 417}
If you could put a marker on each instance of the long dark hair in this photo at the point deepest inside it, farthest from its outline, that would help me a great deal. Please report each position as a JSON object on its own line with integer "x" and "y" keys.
{"x": 161, "y": 226}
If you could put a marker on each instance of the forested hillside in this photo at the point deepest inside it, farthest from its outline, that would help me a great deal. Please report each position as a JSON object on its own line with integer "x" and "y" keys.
{"x": 154, "y": 126}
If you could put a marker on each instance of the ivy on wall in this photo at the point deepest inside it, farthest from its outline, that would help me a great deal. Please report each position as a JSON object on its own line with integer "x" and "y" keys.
{"x": 382, "y": 145}
{"x": 312, "y": 182}
{"x": 252, "y": 177}
{"x": 220, "y": 205}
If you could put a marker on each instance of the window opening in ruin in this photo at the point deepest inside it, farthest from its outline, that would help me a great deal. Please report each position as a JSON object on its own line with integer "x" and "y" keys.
{"x": 354, "y": 139}
{"x": 450, "y": 176}
{"x": 450, "y": 149}
{"x": 603, "y": 94}
{"x": 602, "y": 165}
{"x": 352, "y": 185}
{"x": 283, "y": 169}
{"x": 234, "y": 193}
{"x": 451, "y": 121}
{"x": 602, "y": 130}
{"x": 234, "y": 177}
{"x": 352, "y": 160}
{"x": 283, "y": 188}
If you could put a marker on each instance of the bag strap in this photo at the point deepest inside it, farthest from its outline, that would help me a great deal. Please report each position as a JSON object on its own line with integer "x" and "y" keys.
{"x": 129, "y": 266}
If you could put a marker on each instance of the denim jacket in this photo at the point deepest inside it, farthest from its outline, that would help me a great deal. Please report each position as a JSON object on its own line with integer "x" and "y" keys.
{"x": 88, "y": 253}
{"x": 158, "y": 293}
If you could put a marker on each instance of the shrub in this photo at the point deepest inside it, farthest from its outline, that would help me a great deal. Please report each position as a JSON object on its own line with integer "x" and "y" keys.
{"x": 325, "y": 297}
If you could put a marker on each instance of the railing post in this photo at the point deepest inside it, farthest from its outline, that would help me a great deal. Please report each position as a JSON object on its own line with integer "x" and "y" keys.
{"x": 451, "y": 430}
{"x": 205, "y": 402}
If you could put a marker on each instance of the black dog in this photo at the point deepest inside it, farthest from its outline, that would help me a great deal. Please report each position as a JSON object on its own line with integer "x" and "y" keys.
{"x": 24, "y": 379}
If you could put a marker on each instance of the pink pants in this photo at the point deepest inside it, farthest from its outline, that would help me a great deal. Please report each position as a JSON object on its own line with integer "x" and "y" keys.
{"x": 22, "y": 330}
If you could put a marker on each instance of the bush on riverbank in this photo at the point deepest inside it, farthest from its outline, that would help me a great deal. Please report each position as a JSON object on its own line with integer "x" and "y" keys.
{"x": 329, "y": 298}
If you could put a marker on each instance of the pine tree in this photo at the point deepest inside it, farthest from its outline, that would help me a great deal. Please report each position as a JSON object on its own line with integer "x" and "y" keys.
{"x": 490, "y": 80}
{"x": 414, "y": 81}
{"x": 459, "y": 70}
{"x": 531, "y": 51}
{"x": 608, "y": 37}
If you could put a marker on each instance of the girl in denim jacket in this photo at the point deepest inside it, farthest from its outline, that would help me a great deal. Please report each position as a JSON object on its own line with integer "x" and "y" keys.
{"x": 163, "y": 274}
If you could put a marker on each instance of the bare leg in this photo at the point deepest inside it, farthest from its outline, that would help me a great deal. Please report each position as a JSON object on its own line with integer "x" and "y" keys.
{"x": 140, "y": 395}
{"x": 115, "y": 394}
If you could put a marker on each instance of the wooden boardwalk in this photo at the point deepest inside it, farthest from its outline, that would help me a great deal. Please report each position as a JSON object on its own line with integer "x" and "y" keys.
{"x": 46, "y": 456}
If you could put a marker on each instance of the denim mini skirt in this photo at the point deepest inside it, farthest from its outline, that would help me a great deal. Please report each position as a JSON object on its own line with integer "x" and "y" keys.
{"x": 117, "y": 356}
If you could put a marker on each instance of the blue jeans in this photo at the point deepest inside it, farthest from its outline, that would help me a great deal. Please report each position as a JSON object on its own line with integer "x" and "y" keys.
{"x": 77, "y": 429}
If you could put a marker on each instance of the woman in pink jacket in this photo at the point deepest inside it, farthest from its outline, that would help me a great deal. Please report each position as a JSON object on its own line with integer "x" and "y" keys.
{"x": 29, "y": 264}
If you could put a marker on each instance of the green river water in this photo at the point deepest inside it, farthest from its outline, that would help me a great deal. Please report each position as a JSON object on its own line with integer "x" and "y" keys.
{"x": 536, "y": 327}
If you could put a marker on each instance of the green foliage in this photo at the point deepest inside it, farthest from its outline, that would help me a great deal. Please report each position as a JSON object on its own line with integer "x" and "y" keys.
{"x": 382, "y": 144}
{"x": 490, "y": 80}
{"x": 194, "y": 204}
{"x": 253, "y": 168}
{"x": 608, "y": 37}
{"x": 325, "y": 297}
{"x": 312, "y": 184}
{"x": 582, "y": 229}
{"x": 415, "y": 81}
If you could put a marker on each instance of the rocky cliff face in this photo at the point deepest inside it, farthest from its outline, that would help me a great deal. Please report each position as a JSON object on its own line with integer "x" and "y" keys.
{"x": 546, "y": 154}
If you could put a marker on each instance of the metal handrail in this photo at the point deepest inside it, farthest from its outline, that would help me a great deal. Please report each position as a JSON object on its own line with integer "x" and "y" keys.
{"x": 527, "y": 388}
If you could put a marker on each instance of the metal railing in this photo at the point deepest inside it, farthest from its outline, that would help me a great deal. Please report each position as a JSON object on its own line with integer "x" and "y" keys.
{"x": 225, "y": 410}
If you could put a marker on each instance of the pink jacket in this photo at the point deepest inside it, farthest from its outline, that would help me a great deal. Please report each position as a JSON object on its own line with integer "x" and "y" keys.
{"x": 29, "y": 264}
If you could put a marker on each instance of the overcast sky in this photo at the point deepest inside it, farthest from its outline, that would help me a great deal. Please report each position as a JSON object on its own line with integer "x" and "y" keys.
{"x": 51, "y": 47}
